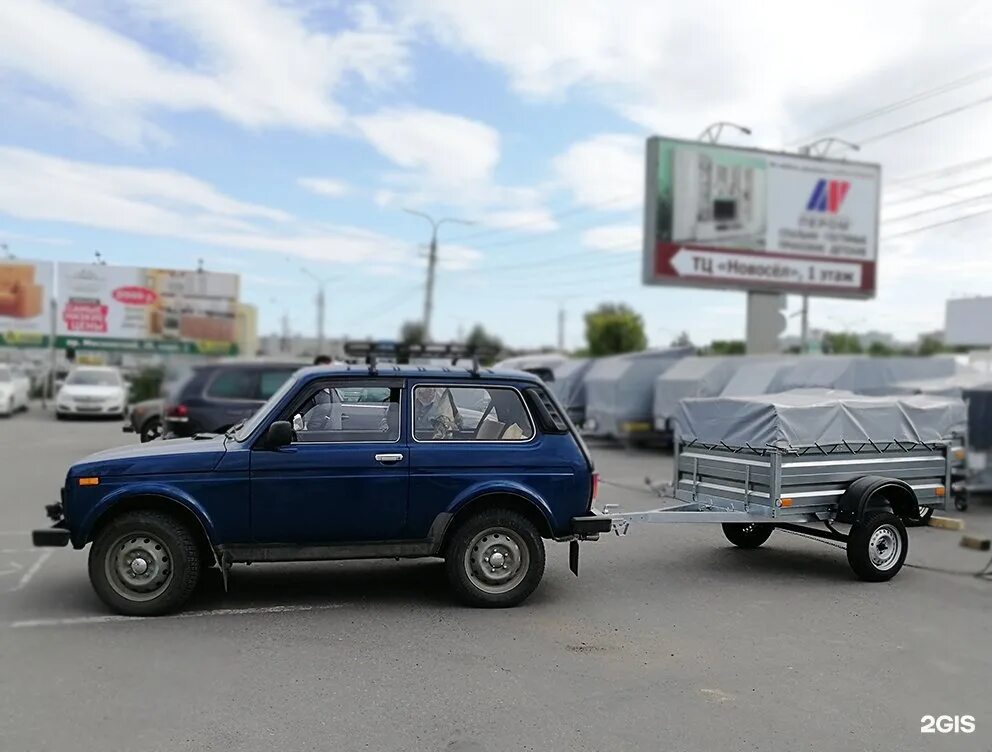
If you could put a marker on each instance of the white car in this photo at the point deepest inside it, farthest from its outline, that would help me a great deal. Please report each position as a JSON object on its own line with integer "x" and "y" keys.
{"x": 94, "y": 391}
{"x": 14, "y": 389}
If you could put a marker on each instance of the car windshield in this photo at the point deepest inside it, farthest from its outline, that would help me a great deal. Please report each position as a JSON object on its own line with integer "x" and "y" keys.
{"x": 94, "y": 378}
{"x": 5, "y": 374}
{"x": 259, "y": 415}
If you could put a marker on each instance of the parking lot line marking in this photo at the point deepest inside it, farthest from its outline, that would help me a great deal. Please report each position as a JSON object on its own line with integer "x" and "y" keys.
{"x": 15, "y": 532}
{"x": 33, "y": 570}
{"x": 110, "y": 618}
{"x": 17, "y": 550}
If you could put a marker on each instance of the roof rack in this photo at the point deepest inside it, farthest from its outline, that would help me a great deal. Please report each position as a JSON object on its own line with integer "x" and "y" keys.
{"x": 401, "y": 352}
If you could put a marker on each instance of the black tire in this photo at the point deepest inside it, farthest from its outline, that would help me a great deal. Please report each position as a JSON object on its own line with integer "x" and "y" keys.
{"x": 961, "y": 503}
{"x": 877, "y": 556}
{"x": 170, "y": 553}
{"x": 151, "y": 429}
{"x": 749, "y": 535}
{"x": 493, "y": 532}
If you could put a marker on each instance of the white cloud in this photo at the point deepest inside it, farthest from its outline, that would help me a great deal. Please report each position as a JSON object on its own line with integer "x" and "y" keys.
{"x": 447, "y": 150}
{"x": 330, "y": 187}
{"x": 524, "y": 220}
{"x": 605, "y": 171}
{"x": 265, "y": 69}
{"x": 167, "y": 203}
{"x": 614, "y": 238}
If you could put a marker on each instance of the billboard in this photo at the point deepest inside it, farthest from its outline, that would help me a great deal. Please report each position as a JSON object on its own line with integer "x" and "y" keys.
{"x": 25, "y": 303}
{"x": 734, "y": 218}
{"x": 968, "y": 321}
{"x": 132, "y": 308}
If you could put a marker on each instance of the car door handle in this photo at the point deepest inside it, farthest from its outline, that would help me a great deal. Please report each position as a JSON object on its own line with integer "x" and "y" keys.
{"x": 389, "y": 458}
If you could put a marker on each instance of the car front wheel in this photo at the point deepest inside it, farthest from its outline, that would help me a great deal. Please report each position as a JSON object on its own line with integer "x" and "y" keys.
{"x": 495, "y": 559}
{"x": 144, "y": 563}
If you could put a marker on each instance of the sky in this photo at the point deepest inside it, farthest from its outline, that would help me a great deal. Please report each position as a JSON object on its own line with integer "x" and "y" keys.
{"x": 266, "y": 137}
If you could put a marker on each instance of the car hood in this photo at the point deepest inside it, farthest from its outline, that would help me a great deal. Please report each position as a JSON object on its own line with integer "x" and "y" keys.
{"x": 154, "y": 458}
{"x": 72, "y": 390}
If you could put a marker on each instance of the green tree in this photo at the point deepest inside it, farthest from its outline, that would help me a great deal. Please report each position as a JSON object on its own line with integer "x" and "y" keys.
{"x": 682, "y": 340}
{"x": 880, "y": 350}
{"x": 840, "y": 343}
{"x": 412, "y": 333}
{"x": 931, "y": 345}
{"x": 727, "y": 347}
{"x": 488, "y": 345}
{"x": 614, "y": 328}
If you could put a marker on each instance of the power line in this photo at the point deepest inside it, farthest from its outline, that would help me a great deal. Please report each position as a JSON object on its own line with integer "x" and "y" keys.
{"x": 938, "y": 224}
{"x": 938, "y": 208}
{"x": 942, "y": 172}
{"x": 385, "y": 305}
{"x": 926, "y": 120}
{"x": 945, "y": 191}
{"x": 534, "y": 222}
{"x": 899, "y": 104}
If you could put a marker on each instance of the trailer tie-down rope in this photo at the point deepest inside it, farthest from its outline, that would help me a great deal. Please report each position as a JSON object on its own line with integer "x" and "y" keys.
{"x": 985, "y": 573}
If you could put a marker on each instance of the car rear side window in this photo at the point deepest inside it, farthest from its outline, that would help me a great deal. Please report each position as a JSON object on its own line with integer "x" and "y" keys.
{"x": 234, "y": 383}
{"x": 463, "y": 413}
{"x": 269, "y": 382}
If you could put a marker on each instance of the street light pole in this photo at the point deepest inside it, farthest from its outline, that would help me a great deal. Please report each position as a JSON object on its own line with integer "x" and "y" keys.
{"x": 432, "y": 264}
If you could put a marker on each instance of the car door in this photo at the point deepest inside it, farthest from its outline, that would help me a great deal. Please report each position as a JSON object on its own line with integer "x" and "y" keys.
{"x": 471, "y": 436}
{"x": 334, "y": 483}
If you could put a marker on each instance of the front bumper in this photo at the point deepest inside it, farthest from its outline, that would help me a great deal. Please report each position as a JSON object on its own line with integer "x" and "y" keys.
{"x": 56, "y": 536}
{"x": 89, "y": 408}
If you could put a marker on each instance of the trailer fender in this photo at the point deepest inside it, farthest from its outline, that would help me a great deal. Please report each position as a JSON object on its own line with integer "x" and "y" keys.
{"x": 874, "y": 492}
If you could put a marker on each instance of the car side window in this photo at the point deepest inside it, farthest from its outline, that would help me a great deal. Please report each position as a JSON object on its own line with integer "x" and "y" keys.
{"x": 348, "y": 414}
{"x": 270, "y": 381}
{"x": 233, "y": 383}
{"x": 457, "y": 413}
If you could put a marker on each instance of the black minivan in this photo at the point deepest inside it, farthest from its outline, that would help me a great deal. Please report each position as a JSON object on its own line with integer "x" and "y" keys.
{"x": 215, "y": 396}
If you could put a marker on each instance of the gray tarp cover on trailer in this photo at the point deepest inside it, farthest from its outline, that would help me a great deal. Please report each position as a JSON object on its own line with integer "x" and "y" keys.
{"x": 798, "y": 419}
{"x": 862, "y": 374}
{"x": 947, "y": 386}
{"x": 691, "y": 377}
{"x": 759, "y": 375}
{"x": 620, "y": 390}
{"x": 569, "y": 384}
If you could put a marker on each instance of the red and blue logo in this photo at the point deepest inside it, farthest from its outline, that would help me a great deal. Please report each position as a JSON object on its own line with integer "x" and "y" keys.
{"x": 827, "y": 196}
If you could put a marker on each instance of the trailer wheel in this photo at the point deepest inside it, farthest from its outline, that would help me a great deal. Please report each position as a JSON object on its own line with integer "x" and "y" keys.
{"x": 495, "y": 559}
{"x": 749, "y": 535}
{"x": 923, "y": 520}
{"x": 961, "y": 503}
{"x": 877, "y": 547}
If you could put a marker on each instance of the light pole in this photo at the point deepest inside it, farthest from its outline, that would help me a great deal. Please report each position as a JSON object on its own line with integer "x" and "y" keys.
{"x": 320, "y": 308}
{"x": 432, "y": 264}
{"x": 821, "y": 147}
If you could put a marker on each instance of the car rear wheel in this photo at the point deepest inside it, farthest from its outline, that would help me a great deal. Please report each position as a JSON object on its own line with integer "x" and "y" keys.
{"x": 495, "y": 559}
{"x": 151, "y": 429}
{"x": 144, "y": 563}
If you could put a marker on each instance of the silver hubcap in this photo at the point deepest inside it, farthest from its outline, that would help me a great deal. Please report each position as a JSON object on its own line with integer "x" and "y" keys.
{"x": 138, "y": 566}
{"x": 497, "y": 560}
{"x": 884, "y": 547}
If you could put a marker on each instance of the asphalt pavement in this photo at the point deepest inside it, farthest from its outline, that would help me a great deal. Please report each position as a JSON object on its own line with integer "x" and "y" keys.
{"x": 671, "y": 639}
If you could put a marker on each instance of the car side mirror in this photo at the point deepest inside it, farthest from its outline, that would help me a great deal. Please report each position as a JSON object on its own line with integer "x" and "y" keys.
{"x": 280, "y": 434}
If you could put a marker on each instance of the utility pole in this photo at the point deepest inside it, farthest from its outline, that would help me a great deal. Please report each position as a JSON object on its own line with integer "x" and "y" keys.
{"x": 320, "y": 307}
{"x": 804, "y": 327}
{"x": 432, "y": 264}
{"x": 561, "y": 328}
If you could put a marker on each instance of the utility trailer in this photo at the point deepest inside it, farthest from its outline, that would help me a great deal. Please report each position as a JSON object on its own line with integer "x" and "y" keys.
{"x": 852, "y": 469}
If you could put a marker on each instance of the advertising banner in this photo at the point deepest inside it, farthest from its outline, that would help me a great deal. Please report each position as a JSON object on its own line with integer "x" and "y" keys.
{"x": 132, "y": 308}
{"x": 727, "y": 217}
{"x": 25, "y": 303}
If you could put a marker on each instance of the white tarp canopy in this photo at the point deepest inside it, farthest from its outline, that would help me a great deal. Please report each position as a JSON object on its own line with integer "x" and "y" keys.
{"x": 863, "y": 374}
{"x": 535, "y": 362}
{"x": 694, "y": 376}
{"x": 620, "y": 392}
{"x": 805, "y": 418}
{"x": 946, "y": 386}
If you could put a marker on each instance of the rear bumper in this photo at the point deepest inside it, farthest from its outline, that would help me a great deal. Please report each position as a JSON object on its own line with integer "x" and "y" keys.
{"x": 591, "y": 525}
